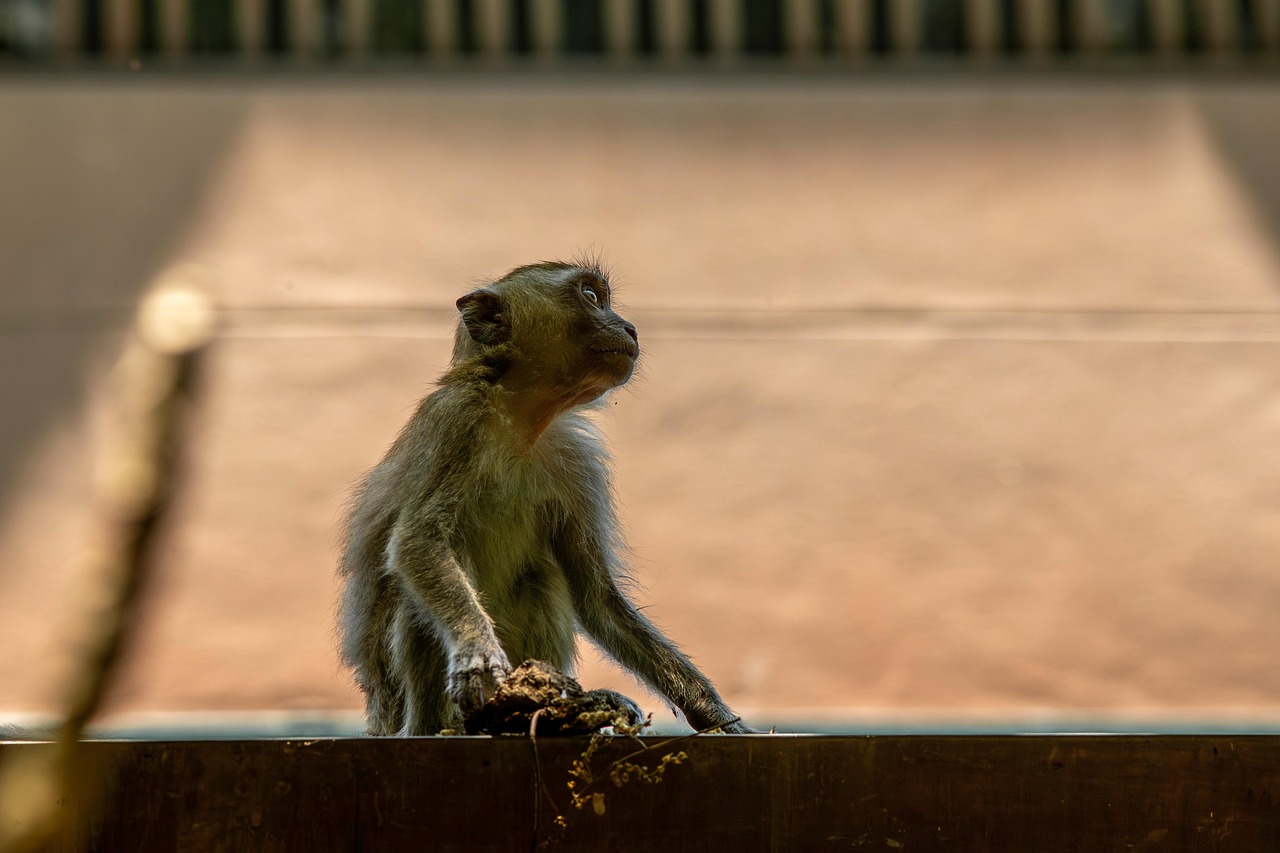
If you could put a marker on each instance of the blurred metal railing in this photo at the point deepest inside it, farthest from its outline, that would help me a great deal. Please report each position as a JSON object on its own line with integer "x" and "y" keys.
{"x": 619, "y": 29}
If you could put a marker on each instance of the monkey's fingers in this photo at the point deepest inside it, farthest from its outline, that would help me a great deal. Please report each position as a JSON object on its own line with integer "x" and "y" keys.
{"x": 623, "y": 703}
{"x": 473, "y": 681}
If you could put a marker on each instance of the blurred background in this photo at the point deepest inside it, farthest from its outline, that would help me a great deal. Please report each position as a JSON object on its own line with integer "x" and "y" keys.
{"x": 960, "y": 402}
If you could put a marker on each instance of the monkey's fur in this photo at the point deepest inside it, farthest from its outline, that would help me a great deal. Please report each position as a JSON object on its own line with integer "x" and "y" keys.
{"x": 487, "y": 534}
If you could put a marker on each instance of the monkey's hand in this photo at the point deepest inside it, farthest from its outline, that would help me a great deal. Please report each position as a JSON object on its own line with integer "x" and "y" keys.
{"x": 738, "y": 728}
{"x": 474, "y": 675}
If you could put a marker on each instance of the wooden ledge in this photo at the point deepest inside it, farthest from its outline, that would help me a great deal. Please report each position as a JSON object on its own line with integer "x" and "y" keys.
{"x": 744, "y": 793}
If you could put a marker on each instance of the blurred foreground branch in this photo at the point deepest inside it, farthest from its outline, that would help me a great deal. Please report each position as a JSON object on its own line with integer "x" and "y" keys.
{"x": 151, "y": 390}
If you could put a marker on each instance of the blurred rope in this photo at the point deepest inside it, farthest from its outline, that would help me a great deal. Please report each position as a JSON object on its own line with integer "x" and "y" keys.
{"x": 45, "y": 793}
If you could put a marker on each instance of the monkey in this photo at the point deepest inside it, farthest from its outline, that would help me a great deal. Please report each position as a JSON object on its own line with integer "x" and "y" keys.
{"x": 487, "y": 534}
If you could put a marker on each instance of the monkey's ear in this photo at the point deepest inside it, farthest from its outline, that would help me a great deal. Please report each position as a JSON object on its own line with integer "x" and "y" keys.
{"x": 484, "y": 317}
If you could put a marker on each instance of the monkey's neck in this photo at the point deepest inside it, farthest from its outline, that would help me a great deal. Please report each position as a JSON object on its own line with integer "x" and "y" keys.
{"x": 528, "y": 411}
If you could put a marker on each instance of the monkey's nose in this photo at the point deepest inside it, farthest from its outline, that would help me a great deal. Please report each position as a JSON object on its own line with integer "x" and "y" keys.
{"x": 630, "y": 330}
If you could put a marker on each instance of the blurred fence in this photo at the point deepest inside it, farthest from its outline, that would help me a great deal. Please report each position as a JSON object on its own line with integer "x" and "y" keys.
{"x": 620, "y": 29}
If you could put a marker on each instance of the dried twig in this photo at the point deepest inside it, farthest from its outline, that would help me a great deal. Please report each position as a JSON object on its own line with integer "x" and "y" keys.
{"x": 152, "y": 386}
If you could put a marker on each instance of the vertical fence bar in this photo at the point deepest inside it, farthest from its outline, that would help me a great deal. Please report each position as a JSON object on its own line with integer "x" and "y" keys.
{"x": 982, "y": 26}
{"x": 726, "y": 28}
{"x": 1092, "y": 32}
{"x": 546, "y": 26}
{"x": 357, "y": 19}
{"x": 672, "y": 27}
{"x": 904, "y": 24}
{"x": 174, "y": 18}
{"x": 441, "y": 20}
{"x": 250, "y": 20}
{"x": 852, "y": 27}
{"x": 491, "y": 28}
{"x": 1167, "y": 31}
{"x": 65, "y": 18}
{"x": 304, "y": 28}
{"x": 619, "y": 28}
{"x": 121, "y": 25}
{"x": 1218, "y": 19}
{"x": 801, "y": 28}
{"x": 1037, "y": 26}
{"x": 1268, "y": 16}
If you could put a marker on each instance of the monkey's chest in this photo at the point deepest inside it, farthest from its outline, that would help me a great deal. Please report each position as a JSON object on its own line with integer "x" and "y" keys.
{"x": 507, "y": 534}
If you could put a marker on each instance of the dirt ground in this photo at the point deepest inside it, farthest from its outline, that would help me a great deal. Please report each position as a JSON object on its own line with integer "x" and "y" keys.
{"x": 956, "y": 395}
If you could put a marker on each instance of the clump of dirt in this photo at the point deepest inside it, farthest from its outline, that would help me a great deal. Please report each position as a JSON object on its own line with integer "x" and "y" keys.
{"x": 561, "y": 705}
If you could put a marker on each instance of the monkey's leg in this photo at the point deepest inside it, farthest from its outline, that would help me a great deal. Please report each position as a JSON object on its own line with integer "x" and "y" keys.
{"x": 420, "y": 662}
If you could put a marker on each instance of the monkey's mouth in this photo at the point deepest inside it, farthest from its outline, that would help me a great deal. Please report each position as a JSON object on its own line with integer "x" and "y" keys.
{"x": 631, "y": 352}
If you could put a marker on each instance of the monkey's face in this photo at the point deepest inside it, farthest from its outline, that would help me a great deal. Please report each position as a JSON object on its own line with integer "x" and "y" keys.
{"x": 567, "y": 341}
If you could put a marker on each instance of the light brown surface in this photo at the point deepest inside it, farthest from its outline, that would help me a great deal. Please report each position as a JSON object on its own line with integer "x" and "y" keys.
{"x": 916, "y": 426}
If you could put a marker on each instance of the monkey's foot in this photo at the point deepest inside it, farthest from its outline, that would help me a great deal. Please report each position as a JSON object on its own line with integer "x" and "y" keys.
{"x": 561, "y": 705}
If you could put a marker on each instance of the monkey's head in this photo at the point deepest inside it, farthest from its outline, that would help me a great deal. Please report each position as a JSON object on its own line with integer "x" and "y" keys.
{"x": 553, "y": 329}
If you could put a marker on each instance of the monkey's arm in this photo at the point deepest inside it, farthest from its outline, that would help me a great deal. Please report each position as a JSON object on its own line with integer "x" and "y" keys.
{"x": 419, "y": 554}
{"x": 609, "y": 617}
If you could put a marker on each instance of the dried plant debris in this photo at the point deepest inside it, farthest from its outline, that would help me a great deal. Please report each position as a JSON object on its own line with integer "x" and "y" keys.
{"x": 536, "y": 689}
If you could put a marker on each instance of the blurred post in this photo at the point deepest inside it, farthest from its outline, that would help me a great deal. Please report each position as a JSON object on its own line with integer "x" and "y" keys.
{"x": 726, "y": 27}
{"x": 440, "y": 17}
{"x": 356, "y": 28}
{"x": 672, "y": 26}
{"x": 1037, "y": 26}
{"x": 1168, "y": 34}
{"x": 174, "y": 15}
{"x": 802, "y": 28}
{"x": 852, "y": 27}
{"x": 152, "y": 389}
{"x": 546, "y": 25}
{"x": 1218, "y": 18}
{"x": 904, "y": 24}
{"x": 304, "y": 28}
{"x": 619, "y": 28}
{"x": 1268, "y": 12}
{"x": 121, "y": 19}
{"x": 1092, "y": 31}
{"x": 982, "y": 26}
{"x": 250, "y": 18}
{"x": 66, "y": 22}
{"x": 492, "y": 27}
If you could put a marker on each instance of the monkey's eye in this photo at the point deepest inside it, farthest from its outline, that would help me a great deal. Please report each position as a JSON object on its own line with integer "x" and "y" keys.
{"x": 591, "y": 295}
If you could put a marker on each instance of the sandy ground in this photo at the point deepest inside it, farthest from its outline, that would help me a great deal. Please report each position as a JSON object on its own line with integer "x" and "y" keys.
{"x": 955, "y": 395}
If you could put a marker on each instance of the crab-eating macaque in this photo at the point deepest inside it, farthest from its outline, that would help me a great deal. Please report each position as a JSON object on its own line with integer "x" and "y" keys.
{"x": 487, "y": 535}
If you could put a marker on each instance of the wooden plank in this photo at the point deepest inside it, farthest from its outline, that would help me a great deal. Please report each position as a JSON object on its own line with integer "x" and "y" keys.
{"x": 853, "y": 27}
{"x": 1047, "y": 793}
